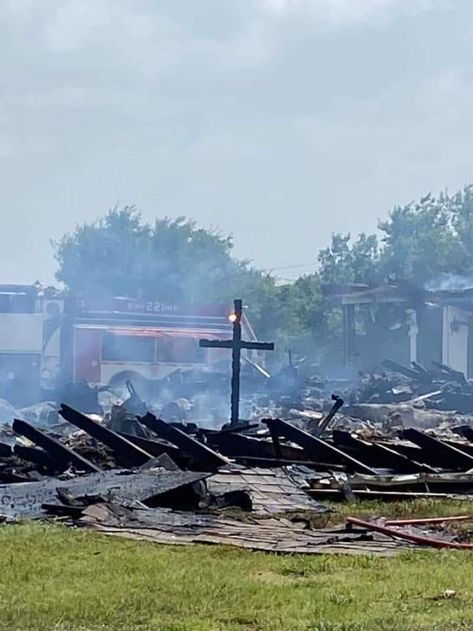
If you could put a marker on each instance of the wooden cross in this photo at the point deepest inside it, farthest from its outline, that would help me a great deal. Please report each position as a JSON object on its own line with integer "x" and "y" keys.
{"x": 236, "y": 344}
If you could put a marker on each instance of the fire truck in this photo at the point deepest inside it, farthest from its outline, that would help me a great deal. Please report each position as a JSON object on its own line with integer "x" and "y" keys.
{"x": 48, "y": 339}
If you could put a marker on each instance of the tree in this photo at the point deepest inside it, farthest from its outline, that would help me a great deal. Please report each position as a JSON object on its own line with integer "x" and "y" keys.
{"x": 172, "y": 260}
{"x": 421, "y": 242}
{"x": 346, "y": 262}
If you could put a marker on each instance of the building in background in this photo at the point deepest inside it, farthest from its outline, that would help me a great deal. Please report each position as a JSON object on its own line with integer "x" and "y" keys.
{"x": 407, "y": 324}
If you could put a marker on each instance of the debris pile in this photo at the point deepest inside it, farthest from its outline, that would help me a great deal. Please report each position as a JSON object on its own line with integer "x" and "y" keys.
{"x": 252, "y": 484}
{"x": 440, "y": 388}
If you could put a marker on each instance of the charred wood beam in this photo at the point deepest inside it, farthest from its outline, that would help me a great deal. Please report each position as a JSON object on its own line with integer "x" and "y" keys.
{"x": 377, "y": 455}
{"x": 5, "y": 450}
{"x": 316, "y": 448}
{"x": 271, "y": 463}
{"x": 406, "y": 448}
{"x": 410, "y": 373}
{"x": 455, "y": 375}
{"x": 325, "y": 422}
{"x": 153, "y": 447}
{"x": 202, "y": 455}
{"x": 236, "y": 445}
{"x": 126, "y": 453}
{"x": 421, "y": 370}
{"x": 36, "y": 456}
{"x": 466, "y": 447}
{"x": 57, "y": 451}
{"x": 446, "y": 455}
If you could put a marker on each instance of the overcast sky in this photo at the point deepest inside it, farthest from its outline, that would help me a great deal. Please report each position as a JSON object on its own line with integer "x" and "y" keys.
{"x": 279, "y": 121}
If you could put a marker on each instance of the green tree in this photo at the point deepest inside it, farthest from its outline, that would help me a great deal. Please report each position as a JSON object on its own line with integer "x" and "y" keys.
{"x": 345, "y": 261}
{"x": 421, "y": 242}
{"x": 173, "y": 260}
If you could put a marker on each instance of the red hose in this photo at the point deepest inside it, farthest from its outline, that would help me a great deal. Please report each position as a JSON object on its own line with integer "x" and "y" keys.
{"x": 407, "y": 536}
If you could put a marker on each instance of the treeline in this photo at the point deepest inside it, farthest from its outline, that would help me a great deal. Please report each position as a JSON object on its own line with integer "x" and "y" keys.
{"x": 176, "y": 260}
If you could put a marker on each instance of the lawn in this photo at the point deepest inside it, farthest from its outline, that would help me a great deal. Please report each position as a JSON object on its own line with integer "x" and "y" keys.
{"x": 62, "y": 579}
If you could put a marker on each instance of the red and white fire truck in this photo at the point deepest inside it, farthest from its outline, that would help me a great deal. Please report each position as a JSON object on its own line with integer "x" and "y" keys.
{"x": 48, "y": 339}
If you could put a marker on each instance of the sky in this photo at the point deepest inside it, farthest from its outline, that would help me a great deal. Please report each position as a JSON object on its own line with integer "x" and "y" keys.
{"x": 277, "y": 121}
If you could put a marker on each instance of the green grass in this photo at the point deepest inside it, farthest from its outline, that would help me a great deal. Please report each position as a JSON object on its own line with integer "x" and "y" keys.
{"x": 52, "y": 578}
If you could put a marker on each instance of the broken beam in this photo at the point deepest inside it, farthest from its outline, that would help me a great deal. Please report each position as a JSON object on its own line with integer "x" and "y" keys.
{"x": 450, "y": 456}
{"x": 56, "y": 450}
{"x": 203, "y": 456}
{"x": 126, "y": 453}
{"x": 36, "y": 456}
{"x": 380, "y": 455}
{"x": 315, "y": 447}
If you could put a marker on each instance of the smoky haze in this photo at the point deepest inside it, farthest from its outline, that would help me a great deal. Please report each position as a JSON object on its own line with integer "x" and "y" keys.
{"x": 292, "y": 117}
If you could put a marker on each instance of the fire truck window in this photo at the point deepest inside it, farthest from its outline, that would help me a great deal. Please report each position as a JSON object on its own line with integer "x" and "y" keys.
{"x": 121, "y": 348}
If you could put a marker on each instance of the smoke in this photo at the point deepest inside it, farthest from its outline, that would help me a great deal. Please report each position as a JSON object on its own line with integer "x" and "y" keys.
{"x": 450, "y": 282}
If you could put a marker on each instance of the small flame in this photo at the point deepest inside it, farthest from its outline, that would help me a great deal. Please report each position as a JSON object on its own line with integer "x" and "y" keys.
{"x": 232, "y": 317}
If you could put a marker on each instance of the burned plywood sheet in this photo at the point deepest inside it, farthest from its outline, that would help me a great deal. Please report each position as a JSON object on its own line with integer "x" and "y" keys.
{"x": 265, "y": 534}
{"x": 271, "y": 491}
{"x": 26, "y": 499}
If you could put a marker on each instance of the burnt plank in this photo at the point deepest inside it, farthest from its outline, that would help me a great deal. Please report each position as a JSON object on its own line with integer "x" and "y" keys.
{"x": 126, "y": 453}
{"x": 152, "y": 446}
{"x": 203, "y": 456}
{"x": 235, "y": 445}
{"x": 377, "y": 455}
{"x": 315, "y": 447}
{"x": 321, "y": 427}
{"x": 273, "y": 463}
{"x": 58, "y": 452}
{"x": 5, "y": 450}
{"x": 446, "y": 455}
{"x": 36, "y": 456}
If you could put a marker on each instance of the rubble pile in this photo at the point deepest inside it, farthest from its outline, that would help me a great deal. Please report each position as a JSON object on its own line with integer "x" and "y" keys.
{"x": 258, "y": 484}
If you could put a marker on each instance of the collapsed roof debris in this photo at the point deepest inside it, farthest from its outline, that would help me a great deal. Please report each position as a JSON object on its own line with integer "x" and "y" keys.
{"x": 180, "y": 479}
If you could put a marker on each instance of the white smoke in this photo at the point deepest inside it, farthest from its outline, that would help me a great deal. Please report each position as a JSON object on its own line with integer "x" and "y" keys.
{"x": 450, "y": 282}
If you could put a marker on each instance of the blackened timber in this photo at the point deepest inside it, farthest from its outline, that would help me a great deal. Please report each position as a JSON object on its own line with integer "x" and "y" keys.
{"x": 154, "y": 447}
{"x": 36, "y": 456}
{"x": 410, "y": 373}
{"x": 376, "y": 455}
{"x": 5, "y": 450}
{"x": 447, "y": 455}
{"x": 56, "y": 450}
{"x": 235, "y": 445}
{"x": 315, "y": 447}
{"x": 202, "y": 455}
{"x": 272, "y": 463}
{"x": 126, "y": 453}
{"x": 325, "y": 422}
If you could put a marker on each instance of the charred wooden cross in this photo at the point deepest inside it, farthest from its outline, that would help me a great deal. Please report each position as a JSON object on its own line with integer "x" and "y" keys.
{"x": 236, "y": 344}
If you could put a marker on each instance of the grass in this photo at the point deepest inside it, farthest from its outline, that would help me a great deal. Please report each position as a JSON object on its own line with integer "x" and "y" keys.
{"x": 52, "y": 578}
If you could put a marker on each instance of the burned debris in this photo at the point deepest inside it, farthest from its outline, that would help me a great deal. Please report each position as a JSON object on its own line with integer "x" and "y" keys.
{"x": 176, "y": 482}
{"x": 168, "y": 469}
